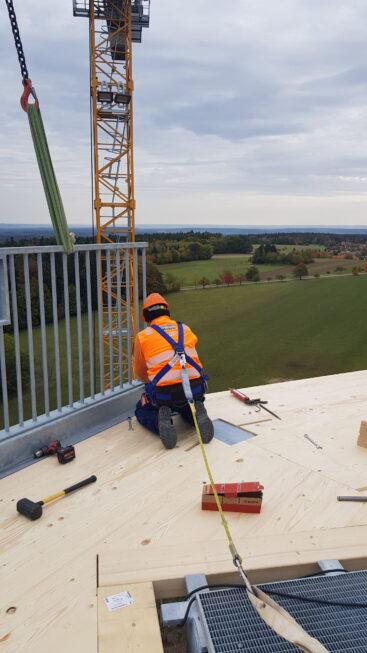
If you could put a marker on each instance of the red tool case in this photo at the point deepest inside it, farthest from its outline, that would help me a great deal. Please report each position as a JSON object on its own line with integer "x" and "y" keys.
{"x": 234, "y": 497}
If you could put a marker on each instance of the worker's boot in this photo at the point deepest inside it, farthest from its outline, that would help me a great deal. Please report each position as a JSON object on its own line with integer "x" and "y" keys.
{"x": 166, "y": 427}
{"x": 205, "y": 424}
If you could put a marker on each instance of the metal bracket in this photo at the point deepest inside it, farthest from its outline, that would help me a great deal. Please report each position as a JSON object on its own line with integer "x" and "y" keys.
{"x": 329, "y": 566}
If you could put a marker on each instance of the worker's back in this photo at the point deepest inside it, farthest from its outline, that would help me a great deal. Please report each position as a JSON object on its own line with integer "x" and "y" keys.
{"x": 157, "y": 352}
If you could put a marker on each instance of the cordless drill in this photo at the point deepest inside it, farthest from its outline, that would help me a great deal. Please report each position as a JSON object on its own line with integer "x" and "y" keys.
{"x": 64, "y": 454}
{"x": 48, "y": 450}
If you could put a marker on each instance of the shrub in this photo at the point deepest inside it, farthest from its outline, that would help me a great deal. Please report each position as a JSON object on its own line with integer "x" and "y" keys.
{"x": 204, "y": 281}
{"x": 227, "y": 277}
{"x": 252, "y": 273}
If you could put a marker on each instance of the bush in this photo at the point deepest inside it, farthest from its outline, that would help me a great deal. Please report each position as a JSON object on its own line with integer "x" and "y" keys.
{"x": 281, "y": 277}
{"x": 204, "y": 281}
{"x": 317, "y": 275}
{"x": 252, "y": 273}
{"x": 355, "y": 271}
{"x": 227, "y": 277}
{"x": 10, "y": 366}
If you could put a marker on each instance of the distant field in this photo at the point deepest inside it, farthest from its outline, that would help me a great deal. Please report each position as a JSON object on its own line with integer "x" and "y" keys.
{"x": 260, "y": 334}
{"x": 191, "y": 272}
{"x": 248, "y": 335}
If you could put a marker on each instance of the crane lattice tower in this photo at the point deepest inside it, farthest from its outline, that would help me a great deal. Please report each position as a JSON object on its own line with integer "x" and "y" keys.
{"x": 113, "y": 26}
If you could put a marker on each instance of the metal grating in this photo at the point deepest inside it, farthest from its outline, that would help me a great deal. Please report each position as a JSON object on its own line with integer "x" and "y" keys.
{"x": 235, "y": 626}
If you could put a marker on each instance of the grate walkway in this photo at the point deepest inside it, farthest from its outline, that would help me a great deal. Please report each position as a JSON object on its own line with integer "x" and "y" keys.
{"x": 235, "y": 626}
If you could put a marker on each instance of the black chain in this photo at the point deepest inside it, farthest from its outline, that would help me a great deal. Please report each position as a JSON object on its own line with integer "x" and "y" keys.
{"x": 17, "y": 39}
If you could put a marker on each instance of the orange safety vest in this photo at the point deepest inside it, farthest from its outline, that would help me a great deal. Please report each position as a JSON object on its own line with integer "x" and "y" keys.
{"x": 157, "y": 352}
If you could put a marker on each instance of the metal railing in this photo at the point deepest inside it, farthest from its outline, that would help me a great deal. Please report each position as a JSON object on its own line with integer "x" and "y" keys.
{"x": 52, "y": 329}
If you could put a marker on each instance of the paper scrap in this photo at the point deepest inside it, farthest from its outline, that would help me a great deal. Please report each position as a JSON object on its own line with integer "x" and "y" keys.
{"x": 117, "y": 601}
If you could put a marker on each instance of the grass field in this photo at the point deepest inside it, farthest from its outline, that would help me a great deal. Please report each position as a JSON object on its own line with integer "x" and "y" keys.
{"x": 259, "y": 334}
{"x": 191, "y": 272}
{"x": 248, "y": 335}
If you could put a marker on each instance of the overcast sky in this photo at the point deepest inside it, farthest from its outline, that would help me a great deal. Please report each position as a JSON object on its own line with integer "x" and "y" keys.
{"x": 249, "y": 112}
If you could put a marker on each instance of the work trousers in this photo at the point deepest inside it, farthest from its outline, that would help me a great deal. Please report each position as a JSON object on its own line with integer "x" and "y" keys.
{"x": 146, "y": 411}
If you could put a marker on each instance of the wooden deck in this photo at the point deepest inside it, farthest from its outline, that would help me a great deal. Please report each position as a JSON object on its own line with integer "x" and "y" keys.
{"x": 143, "y": 519}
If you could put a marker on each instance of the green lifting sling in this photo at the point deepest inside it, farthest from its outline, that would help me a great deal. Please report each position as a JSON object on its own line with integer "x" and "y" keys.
{"x": 49, "y": 181}
{"x": 53, "y": 197}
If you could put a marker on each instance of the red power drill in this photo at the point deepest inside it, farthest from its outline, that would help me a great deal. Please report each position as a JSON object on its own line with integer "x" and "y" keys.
{"x": 64, "y": 454}
{"x": 48, "y": 450}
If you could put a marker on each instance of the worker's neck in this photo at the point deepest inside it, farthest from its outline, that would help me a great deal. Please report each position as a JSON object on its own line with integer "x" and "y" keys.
{"x": 161, "y": 319}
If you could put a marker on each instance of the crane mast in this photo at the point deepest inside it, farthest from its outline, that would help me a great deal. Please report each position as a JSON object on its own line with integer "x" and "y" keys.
{"x": 113, "y": 26}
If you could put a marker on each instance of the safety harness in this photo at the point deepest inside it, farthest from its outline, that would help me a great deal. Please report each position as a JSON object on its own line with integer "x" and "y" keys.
{"x": 179, "y": 356}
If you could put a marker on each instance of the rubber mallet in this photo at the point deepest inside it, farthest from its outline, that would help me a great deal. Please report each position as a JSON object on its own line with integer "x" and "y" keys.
{"x": 33, "y": 509}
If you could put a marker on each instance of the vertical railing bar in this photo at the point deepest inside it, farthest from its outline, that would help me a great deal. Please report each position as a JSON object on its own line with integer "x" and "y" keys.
{"x": 144, "y": 271}
{"x": 55, "y": 319}
{"x": 110, "y": 324}
{"x": 119, "y": 323}
{"x": 18, "y": 366}
{"x": 90, "y": 324}
{"x": 79, "y": 327}
{"x": 100, "y": 323}
{"x": 41, "y": 298}
{"x": 128, "y": 314}
{"x": 67, "y": 328}
{"x": 4, "y": 380}
{"x": 30, "y": 336}
{"x": 136, "y": 290}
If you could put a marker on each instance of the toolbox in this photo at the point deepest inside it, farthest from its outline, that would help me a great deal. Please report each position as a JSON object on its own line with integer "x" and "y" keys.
{"x": 234, "y": 497}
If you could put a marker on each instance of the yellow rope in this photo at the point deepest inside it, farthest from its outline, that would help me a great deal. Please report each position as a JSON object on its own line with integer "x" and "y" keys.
{"x": 232, "y": 547}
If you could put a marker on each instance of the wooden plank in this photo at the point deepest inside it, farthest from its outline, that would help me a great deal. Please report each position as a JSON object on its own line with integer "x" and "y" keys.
{"x": 146, "y": 503}
{"x": 286, "y": 556}
{"x": 130, "y": 629}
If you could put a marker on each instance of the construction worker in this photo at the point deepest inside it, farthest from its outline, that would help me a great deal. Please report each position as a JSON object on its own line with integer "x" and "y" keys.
{"x": 158, "y": 364}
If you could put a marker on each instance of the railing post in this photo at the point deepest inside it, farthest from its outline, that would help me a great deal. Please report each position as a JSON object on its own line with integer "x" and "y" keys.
{"x": 55, "y": 319}
{"x": 90, "y": 325}
{"x": 100, "y": 324}
{"x": 67, "y": 329}
{"x": 128, "y": 315}
{"x": 119, "y": 321}
{"x": 18, "y": 366}
{"x": 4, "y": 380}
{"x": 79, "y": 327}
{"x": 43, "y": 334}
{"x": 30, "y": 336}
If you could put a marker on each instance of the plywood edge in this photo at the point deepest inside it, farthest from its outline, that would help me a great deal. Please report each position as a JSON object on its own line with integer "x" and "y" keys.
{"x": 280, "y": 557}
{"x": 133, "y": 628}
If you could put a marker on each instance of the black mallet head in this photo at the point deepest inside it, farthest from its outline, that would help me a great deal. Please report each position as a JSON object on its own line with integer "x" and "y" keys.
{"x": 30, "y": 509}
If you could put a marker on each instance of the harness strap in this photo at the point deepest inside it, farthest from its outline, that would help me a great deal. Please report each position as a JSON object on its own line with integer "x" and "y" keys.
{"x": 178, "y": 348}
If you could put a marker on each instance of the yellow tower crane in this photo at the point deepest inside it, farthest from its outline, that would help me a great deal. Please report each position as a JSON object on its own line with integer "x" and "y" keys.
{"x": 113, "y": 26}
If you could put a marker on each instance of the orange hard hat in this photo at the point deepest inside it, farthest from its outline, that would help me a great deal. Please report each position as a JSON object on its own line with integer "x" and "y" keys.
{"x": 154, "y": 299}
